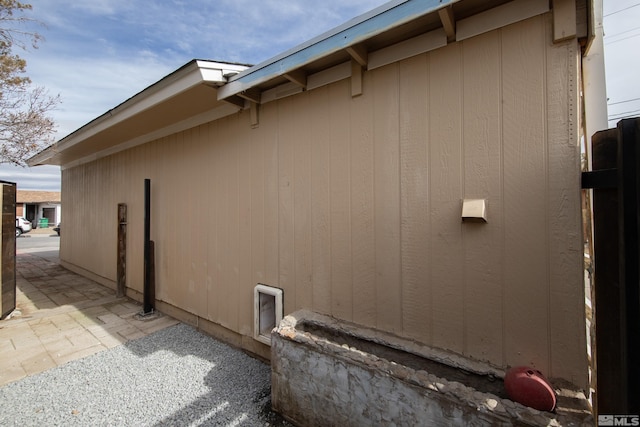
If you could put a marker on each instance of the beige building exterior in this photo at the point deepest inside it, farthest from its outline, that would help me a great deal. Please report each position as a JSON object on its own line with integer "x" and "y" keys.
{"x": 37, "y": 206}
{"x": 339, "y": 178}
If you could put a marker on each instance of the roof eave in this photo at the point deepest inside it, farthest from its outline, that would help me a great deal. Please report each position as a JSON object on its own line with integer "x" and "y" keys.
{"x": 193, "y": 73}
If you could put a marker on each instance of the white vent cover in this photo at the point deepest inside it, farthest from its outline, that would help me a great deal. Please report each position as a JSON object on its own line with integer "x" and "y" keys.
{"x": 267, "y": 312}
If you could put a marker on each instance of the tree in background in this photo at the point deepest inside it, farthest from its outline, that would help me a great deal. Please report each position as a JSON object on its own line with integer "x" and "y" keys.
{"x": 25, "y": 126}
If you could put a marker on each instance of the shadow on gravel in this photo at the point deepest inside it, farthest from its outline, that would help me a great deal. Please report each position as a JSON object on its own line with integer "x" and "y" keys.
{"x": 238, "y": 385}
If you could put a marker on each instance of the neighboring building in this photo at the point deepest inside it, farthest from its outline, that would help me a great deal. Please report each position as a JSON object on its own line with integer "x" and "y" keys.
{"x": 37, "y": 206}
{"x": 336, "y": 172}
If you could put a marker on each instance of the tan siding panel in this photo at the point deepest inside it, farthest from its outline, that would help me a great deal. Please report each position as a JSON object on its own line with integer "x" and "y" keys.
{"x": 414, "y": 187}
{"x": 182, "y": 195}
{"x": 566, "y": 309}
{"x": 525, "y": 197}
{"x": 445, "y": 109}
{"x": 483, "y": 253}
{"x": 287, "y": 137}
{"x": 362, "y": 206}
{"x": 269, "y": 129}
{"x": 214, "y": 212}
{"x": 303, "y": 255}
{"x": 199, "y": 222}
{"x": 257, "y": 226}
{"x": 319, "y": 106}
{"x": 231, "y": 298}
{"x": 163, "y": 235}
{"x": 341, "y": 277}
{"x": 387, "y": 197}
{"x": 245, "y": 270}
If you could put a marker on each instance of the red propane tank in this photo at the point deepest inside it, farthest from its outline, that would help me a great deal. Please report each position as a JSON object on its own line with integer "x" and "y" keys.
{"x": 529, "y": 387}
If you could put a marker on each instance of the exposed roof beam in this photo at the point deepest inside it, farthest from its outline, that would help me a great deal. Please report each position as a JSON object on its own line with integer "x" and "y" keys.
{"x": 235, "y": 100}
{"x": 564, "y": 20}
{"x": 298, "y": 77}
{"x": 391, "y": 15}
{"x": 252, "y": 94}
{"x": 500, "y": 16}
{"x": 360, "y": 54}
{"x": 356, "y": 78}
{"x": 253, "y": 110}
{"x": 448, "y": 22}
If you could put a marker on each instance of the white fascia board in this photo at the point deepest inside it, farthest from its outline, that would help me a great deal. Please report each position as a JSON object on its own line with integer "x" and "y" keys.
{"x": 192, "y": 74}
{"x": 377, "y": 21}
{"x": 214, "y": 72}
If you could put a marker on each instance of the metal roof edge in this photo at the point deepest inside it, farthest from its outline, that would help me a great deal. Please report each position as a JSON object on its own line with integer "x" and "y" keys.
{"x": 194, "y": 72}
{"x": 374, "y": 22}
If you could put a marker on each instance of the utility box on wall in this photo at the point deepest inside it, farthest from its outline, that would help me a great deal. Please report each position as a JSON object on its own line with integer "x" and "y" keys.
{"x": 8, "y": 249}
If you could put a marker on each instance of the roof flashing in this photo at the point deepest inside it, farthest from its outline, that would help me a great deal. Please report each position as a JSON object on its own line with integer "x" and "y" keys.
{"x": 377, "y": 21}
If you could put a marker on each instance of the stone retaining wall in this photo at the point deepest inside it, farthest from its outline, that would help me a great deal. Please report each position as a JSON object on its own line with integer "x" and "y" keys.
{"x": 332, "y": 373}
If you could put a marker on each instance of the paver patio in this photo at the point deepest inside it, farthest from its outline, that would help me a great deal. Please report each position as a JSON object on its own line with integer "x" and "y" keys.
{"x": 62, "y": 316}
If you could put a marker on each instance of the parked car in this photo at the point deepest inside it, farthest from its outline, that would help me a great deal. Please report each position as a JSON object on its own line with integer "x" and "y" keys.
{"x": 22, "y": 226}
{"x": 57, "y": 228}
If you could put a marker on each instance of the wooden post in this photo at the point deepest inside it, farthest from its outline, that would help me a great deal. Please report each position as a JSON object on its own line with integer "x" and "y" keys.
{"x": 616, "y": 213}
{"x": 606, "y": 278}
{"x": 7, "y": 248}
{"x": 629, "y": 240}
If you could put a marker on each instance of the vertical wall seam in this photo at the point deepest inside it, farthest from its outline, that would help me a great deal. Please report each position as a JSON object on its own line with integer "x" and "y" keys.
{"x": 374, "y": 218}
{"x": 238, "y": 233}
{"x": 545, "y": 24}
{"x": 463, "y": 191}
{"x": 429, "y": 200}
{"x": 329, "y": 207}
{"x": 350, "y": 174}
{"x": 503, "y": 232}
{"x": 330, "y": 210}
{"x": 399, "y": 160}
{"x": 278, "y": 195}
{"x": 429, "y": 192}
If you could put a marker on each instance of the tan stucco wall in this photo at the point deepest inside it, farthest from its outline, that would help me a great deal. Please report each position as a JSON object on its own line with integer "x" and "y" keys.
{"x": 353, "y": 205}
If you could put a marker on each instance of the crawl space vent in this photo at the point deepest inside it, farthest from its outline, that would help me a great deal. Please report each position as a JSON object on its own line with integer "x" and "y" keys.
{"x": 267, "y": 312}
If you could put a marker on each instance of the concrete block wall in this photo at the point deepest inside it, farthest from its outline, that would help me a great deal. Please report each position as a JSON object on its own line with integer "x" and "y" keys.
{"x": 318, "y": 381}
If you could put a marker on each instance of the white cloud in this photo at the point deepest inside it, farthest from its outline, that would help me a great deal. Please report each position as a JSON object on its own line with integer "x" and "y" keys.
{"x": 44, "y": 178}
{"x": 98, "y": 53}
{"x": 622, "y": 36}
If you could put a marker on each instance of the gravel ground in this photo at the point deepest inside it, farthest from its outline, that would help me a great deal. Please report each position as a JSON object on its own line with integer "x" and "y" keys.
{"x": 177, "y": 376}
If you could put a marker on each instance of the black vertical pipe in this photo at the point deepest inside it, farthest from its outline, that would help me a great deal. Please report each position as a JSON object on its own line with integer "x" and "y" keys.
{"x": 147, "y": 306}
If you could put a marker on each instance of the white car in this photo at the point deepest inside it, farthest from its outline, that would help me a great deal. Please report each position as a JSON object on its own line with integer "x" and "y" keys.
{"x": 22, "y": 226}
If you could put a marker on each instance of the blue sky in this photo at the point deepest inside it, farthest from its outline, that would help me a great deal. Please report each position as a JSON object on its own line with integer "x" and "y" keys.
{"x": 622, "y": 58}
{"x": 98, "y": 53}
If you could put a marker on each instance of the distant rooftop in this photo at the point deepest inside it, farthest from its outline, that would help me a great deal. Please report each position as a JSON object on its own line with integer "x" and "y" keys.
{"x": 27, "y": 196}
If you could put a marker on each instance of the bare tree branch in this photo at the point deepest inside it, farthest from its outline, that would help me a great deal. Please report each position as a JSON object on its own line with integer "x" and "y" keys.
{"x": 25, "y": 124}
